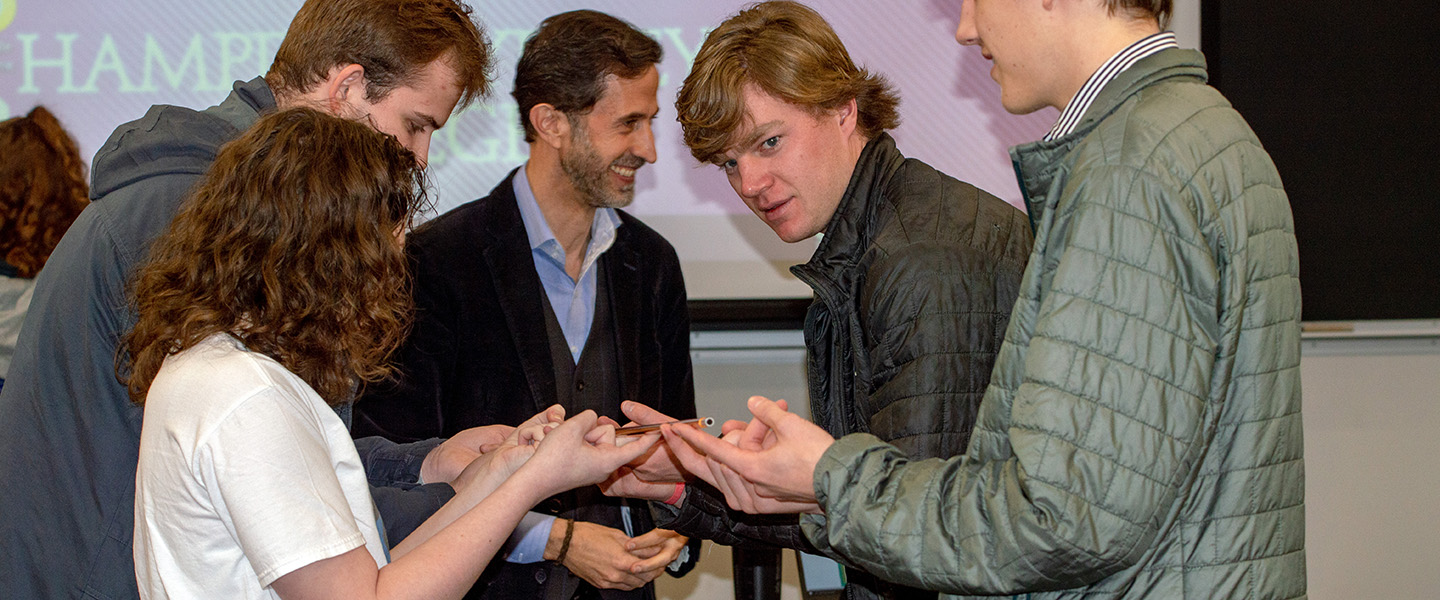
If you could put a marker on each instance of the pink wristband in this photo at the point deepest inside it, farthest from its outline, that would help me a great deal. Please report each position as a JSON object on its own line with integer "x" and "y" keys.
{"x": 679, "y": 491}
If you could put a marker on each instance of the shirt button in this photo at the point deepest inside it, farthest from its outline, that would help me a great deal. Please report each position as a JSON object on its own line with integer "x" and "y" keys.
{"x": 579, "y": 386}
{"x": 540, "y": 576}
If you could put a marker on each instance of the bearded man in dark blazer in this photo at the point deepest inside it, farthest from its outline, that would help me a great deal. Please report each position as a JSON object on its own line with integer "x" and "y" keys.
{"x": 545, "y": 292}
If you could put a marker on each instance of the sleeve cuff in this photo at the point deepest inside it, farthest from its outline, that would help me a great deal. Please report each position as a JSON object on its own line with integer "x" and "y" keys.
{"x": 388, "y": 464}
{"x": 527, "y": 543}
{"x": 834, "y": 475}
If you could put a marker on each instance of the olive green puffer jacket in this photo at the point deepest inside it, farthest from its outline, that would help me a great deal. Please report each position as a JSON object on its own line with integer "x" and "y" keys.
{"x": 1141, "y": 436}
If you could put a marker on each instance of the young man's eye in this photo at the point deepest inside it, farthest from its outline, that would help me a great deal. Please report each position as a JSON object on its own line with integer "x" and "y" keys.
{"x": 770, "y": 142}
{"x": 728, "y": 165}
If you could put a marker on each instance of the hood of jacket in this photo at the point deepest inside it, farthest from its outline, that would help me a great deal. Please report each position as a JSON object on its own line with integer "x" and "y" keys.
{"x": 171, "y": 140}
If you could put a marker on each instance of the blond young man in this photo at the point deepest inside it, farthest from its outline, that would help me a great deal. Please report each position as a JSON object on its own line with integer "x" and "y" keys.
{"x": 914, "y": 278}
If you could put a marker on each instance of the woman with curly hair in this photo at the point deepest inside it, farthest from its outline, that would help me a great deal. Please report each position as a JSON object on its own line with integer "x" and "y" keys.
{"x": 278, "y": 289}
{"x": 42, "y": 190}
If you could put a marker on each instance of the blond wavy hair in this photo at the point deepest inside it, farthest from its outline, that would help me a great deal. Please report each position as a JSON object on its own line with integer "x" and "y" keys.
{"x": 787, "y": 50}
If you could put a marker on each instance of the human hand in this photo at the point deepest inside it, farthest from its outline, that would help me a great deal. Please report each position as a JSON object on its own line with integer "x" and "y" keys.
{"x": 741, "y": 494}
{"x": 596, "y": 554}
{"x": 581, "y": 451}
{"x": 657, "y": 549}
{"x": 624, "y": 483}
{"x": 767, "y": 467}
{"x": 658, "y": 465}
{"x": 533, "y": 430}
{"x": 695, "y": 462}
{"x": 490, "y": 469}
{"x": 451, "y": 457}
{"x": 501, "y": 458}
{"x": 652, "y": 476}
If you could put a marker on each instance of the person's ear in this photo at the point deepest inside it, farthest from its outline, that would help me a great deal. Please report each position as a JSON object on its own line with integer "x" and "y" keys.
{"x": 551, "y": 126}
{"x": 848, "y": 116}
{"x": 344, "y": 88}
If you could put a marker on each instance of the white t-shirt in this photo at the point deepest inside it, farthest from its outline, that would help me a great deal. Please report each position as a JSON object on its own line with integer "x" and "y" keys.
{"x": 245, "y": 475}
{"x": 15, "y": 294}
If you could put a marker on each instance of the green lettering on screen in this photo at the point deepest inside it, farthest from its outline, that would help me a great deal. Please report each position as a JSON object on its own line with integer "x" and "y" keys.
{"x": 194, "y": 58}
{"x": 107, "y": 58}
{"x": 29, "y": 62}
{"x": 229, "y": 59}
{"x": 266, "y": 43}
{"x": 459, "y": 141}
{"x": 508, "y": 42}
{"x": 675, "y": 37}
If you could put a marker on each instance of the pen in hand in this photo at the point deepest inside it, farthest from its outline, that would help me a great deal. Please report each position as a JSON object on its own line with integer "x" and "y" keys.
{"x": 639, "y": 429}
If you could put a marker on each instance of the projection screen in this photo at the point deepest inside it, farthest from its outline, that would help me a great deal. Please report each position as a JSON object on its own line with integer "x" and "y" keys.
{"x": 99, "y": 64}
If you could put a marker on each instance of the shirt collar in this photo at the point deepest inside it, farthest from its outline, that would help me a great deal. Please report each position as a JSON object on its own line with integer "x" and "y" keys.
{"x": 542, "y": 238}
{"x": 1117, "y": 64}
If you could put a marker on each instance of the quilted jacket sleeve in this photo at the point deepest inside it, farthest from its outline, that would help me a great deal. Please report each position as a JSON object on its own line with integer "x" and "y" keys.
{"x": 1104, "y": 423}
{"x": 703, "y": 514}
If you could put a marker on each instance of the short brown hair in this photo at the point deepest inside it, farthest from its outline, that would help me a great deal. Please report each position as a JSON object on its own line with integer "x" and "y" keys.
{"x": 1160, "y": 10}
{"x": 42, "y": 189}
{"x": 392, "y": 39}
{"x": 790, "y": 52}
{"x": 565, "y": 62}
{"x": 288, "y": 245}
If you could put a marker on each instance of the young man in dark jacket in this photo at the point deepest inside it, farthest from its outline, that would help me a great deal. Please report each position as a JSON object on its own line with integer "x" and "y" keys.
{"x": 916, "y": 273}
{"x": 1141, "y": 437}
{"x": 67, "y": 425}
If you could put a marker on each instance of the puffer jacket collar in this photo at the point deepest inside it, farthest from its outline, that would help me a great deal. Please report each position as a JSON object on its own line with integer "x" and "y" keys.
{"x": 830, "y": 269}
{"x": 1038, "y": 164}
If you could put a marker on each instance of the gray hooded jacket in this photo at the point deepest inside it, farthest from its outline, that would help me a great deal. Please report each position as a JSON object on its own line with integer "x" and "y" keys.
{"x": 68, "y": 431}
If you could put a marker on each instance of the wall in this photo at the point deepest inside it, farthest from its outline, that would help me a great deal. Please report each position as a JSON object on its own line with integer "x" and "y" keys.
{"x": 1372, "y": 467}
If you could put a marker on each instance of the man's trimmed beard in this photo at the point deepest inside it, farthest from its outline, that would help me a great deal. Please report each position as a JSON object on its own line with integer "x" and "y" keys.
{"x": 589, "y": 174}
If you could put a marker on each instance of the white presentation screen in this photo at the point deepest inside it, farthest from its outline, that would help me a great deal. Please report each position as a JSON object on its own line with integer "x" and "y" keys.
{"x": 97, "y": 64}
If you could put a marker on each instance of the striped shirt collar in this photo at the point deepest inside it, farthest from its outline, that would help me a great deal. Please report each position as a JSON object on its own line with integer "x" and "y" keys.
{"x": 1102, "y": 76}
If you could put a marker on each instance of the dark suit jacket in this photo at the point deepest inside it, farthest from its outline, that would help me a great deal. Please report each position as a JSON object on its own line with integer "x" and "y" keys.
{"x": 479, "y": 354}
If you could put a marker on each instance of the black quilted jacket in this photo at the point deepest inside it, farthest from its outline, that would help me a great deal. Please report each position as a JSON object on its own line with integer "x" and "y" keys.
{"x": 914, "y": 282}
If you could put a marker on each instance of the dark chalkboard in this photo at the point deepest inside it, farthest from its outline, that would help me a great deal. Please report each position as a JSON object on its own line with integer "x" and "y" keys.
{"x": 1345, "y": 96}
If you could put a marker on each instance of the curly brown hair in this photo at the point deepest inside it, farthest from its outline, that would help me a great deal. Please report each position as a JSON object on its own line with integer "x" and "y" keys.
{"x": 42, "y": 188}
{"x": 289, "y": 245}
